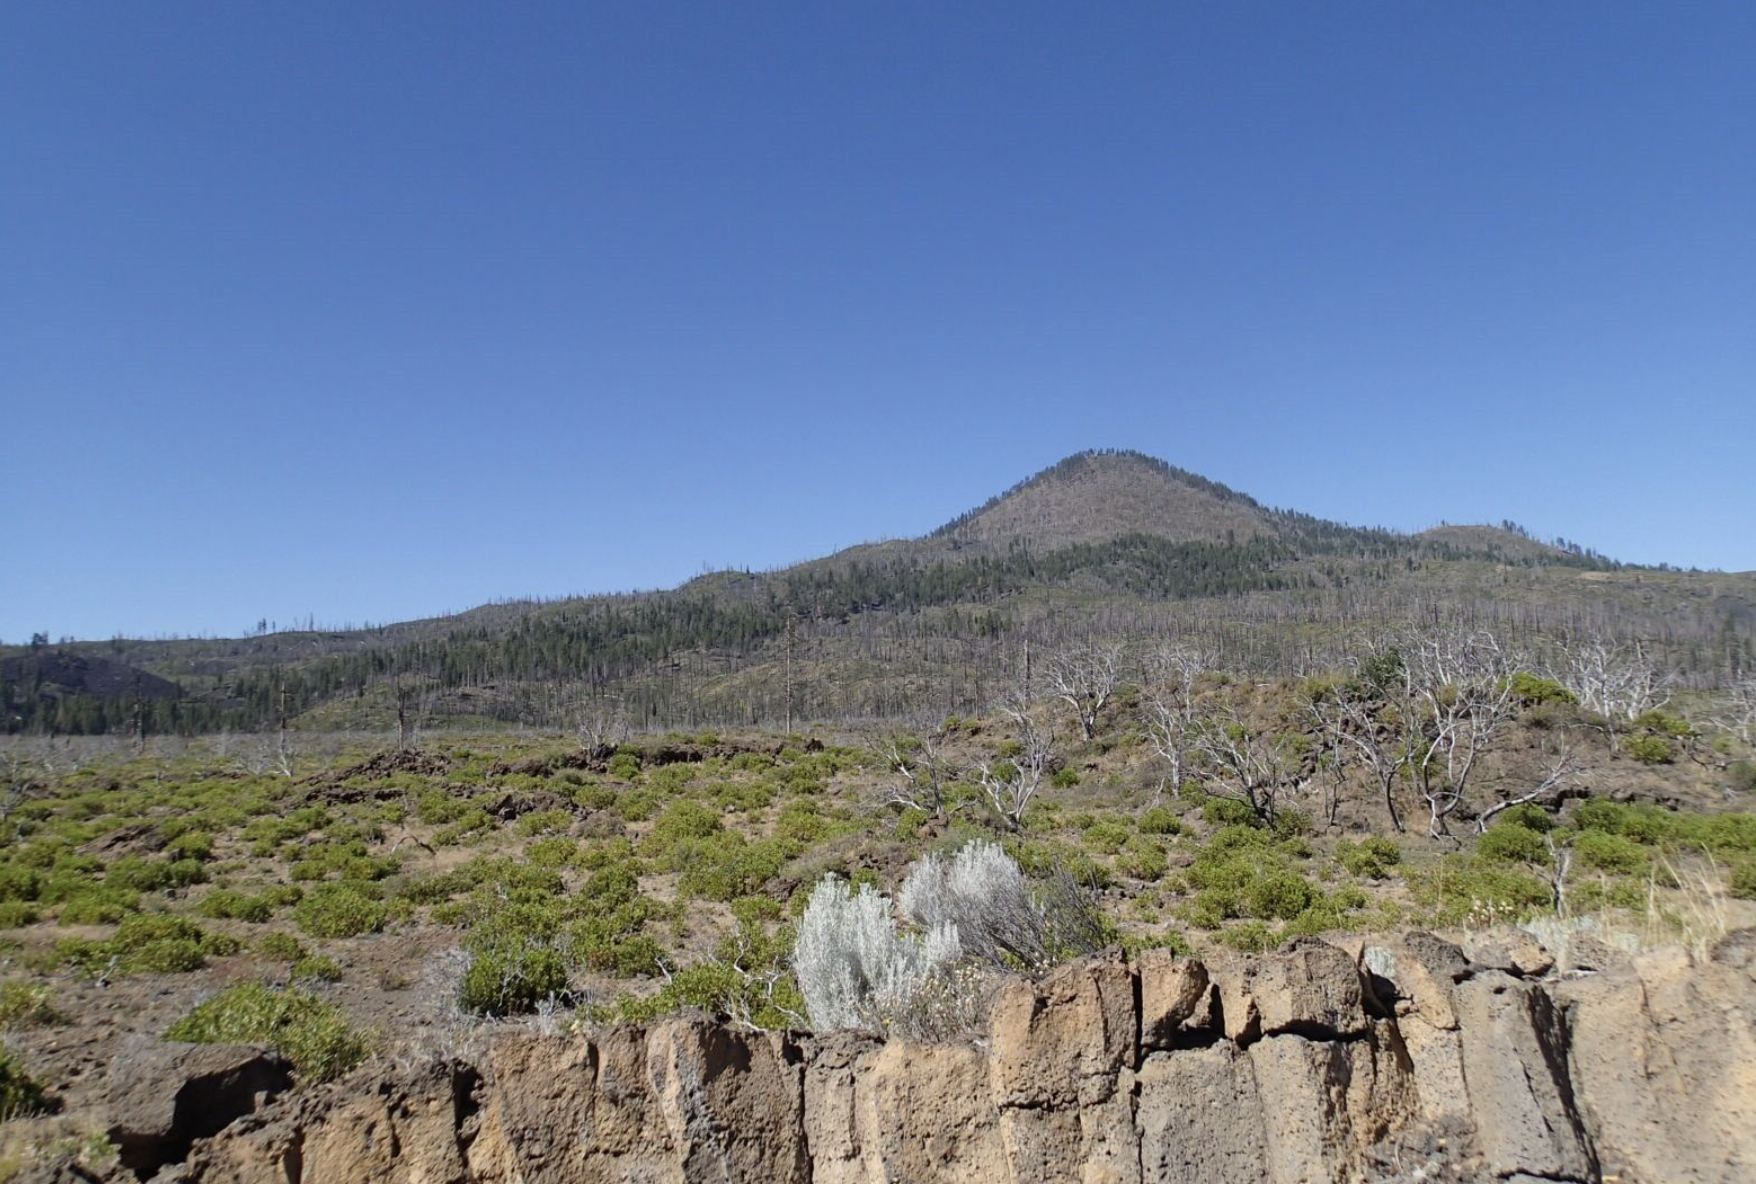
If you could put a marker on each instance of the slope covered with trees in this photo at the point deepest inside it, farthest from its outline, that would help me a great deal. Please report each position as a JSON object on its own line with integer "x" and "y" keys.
{"x": 1110, "y": 544}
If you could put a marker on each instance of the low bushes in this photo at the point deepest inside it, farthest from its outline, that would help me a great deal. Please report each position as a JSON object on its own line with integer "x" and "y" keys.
{"x": 1469, "y": 889}
{"x": 20, "y": 1093}
{"x": 1371, "y": 858}
{"x": 147, "y": 944}
{"x": 339, "y": 910}
{"x": 310, "y": 1032}
{"x": 27, "y": 1005}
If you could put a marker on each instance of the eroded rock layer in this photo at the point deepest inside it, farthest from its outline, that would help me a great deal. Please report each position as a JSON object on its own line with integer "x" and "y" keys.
{"x": 1399, "y": 1060}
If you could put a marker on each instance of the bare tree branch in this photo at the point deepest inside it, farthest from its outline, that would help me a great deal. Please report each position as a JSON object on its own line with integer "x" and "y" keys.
{"x": 1085, "y": 678}
{"x": 1009, "y": 785}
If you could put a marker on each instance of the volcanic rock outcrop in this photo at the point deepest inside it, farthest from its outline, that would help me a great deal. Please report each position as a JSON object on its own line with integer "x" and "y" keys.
{"x": 1399, "y": 1059}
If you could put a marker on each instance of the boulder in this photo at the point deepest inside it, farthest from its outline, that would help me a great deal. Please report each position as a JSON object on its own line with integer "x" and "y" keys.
{"x": 1309, "y": 988}
{"x": 1514, "y": 1046}
{"x": 1176, "y": 1000}
{"x": 1511, "y": 951}
{"x": 1415, "y": 975}
{"x": 1062, "y": 1041}
{"x": 730, "y": 1101}
{"x": 174, "y": 1094}
{"x": 1664, "y": 1063}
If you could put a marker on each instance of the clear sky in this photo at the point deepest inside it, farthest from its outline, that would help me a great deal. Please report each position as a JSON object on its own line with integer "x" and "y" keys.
{"x": 373, "y": 311}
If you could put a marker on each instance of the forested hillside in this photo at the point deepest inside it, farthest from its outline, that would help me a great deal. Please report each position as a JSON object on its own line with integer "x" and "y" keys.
{"x": 1113, "y": 545}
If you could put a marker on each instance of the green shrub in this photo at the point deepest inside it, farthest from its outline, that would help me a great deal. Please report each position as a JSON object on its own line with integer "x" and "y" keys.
{"x": 1252, "y": 937}
{"x": 16, "y": 913}
{"x": 514, "y": 962}
{"x": 19, "y": 883}
{"x": 1228, "y": 812}
{"x": 1159, "y": 821}
{"x": 545, "y": 822}
{"x": 1722, "y": 834}
{"x": 1609, "y": 853}
{"x": 1321, "y": 917}
{"x": 625, "y": 765}
{"x": 339, "y": 910}
{"x": 440, "y": 809}
{"x": 1371, "y": 858}
{"x": 317, "y": 968}
{"x": 908, "y": 823}
{"x": 472, "y": 820}
{"x": 20, "y": 1093}
{"x": 1664, "y": 723}
{"x": 1534, "y": 690}
{"x": 195, "y": 845}
{"x": 593, "y": 796}
{"x": 732, "y": 984}
{"x": 1511, "y": 843}
{"x": 227, "y": 904}
{"x": 99, "y": 905}
{"x": 27, "y": 1005}
{"x": 1168, "y": 939}
{"x": 1280, "y": 896}
{"x": 1143, "y": 859}
{"x": 681, "y": 821}
{"x": 147, "y": 944}
{"x": 1648, "y": 750}
{"x": 552, "y": 853}
{"x": 1741, "y": 777}
{"x": 1106, "y": 837}
{"x": 726, "y": 866}
{"x": 282, "y": 947}
{"x": 1529, "y": 815}
{"x": 1465, "y": 889}
{"x": 1742, "y": 881}
{"x": 637, "y": 805}
{"x": 310, "y": 1032}
{"x": 507, "y": 980}
{"x": 753, "y": 910}
{"x": 1289, "y": 822}
{"x": 153, "y": 875}
{"x": 748, "y": 797}
{"x": 1592, "y": 895}
{"x": 1065, "y": 777}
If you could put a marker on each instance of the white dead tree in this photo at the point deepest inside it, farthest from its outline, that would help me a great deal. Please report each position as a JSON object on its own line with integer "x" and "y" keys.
{"x": 1246, "y": 763}
{"x": 1169, "y": 708}
{"x": 1085, "y": 677}
{"x": 1616, "y": 680}
{"x": 1008, "y": 784}
{"x": 18, "y": 781}
{"x": 1559, "y": 773}
{"x": 602, "y": 727}
{"x": 1738, "y": 713}
{"x": 922, "y": 775}
{"x": 1457, "y": 696}
{"x": 1364, "y": 722}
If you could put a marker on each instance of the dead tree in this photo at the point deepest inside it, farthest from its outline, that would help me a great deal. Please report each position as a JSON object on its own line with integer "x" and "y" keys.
{"x": 1247, "y": 764}
{"x": 1457, "y": 695}
{"x": 923, "y": 774}
{"x": 603, "y": 728}
{"x": 1085, "y": 677}
{"x": 1560, "y": 772}
{"x": 1616, "y": 680}
{"x": 1009, "y": 784}
{"x": 1169, "y": 707}
{"x": 1365, "y": 727}
{"x": 1738, "y": 714}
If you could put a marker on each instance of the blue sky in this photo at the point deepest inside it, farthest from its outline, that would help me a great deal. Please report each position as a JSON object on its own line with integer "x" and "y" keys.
{"x": 376, "y": 311}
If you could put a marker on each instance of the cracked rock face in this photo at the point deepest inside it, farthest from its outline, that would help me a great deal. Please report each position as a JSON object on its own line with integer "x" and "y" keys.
{"x": 1394, "y": 1061}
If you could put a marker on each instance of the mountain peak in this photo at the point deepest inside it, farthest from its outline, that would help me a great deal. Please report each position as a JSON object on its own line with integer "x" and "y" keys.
{"x": 1097, "y": 495}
